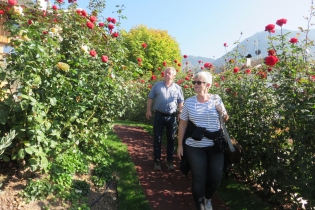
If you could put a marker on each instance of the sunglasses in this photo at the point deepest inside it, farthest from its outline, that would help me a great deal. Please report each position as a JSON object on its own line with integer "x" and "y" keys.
{"x": 198, "y": 82}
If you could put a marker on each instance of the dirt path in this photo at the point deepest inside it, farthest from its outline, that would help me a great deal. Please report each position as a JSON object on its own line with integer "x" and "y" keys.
{"x": 163, "y": 189}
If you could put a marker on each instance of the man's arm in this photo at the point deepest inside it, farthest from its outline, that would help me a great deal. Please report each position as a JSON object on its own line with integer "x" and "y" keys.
{"x": 149, "y": 112}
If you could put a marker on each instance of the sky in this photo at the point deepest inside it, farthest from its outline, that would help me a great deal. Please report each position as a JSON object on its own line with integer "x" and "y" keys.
{"x": 201, "y": 27}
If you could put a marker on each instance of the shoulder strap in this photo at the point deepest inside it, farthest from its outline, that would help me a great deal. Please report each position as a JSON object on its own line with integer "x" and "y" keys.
{"x": 226, "y": 134}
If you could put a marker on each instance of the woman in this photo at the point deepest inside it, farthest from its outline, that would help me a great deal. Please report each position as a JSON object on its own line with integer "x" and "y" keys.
{"x": 206, "y": 163}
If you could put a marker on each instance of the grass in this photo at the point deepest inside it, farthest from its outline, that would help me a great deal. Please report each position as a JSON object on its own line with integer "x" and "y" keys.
{"x": 130, "y": 193}
{"x": 131, "y": 196}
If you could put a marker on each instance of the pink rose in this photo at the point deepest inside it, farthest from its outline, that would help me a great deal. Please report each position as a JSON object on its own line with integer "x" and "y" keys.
{"x": 93, "y": 19}
{"x": 281, "y": 21}
{"x": 12, "y": 2}
{"x": 90, "y": 25}
{"x": 104, "y": 58}
{"x": 93, "y": 53}
{"x": 208, "y": 65}
{"x": 270, "y": 28}
{"x": 271, "y": 60}
{"x": 293, "y": 40}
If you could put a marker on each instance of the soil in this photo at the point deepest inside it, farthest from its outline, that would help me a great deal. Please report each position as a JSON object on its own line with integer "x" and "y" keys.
{"x": 12, "y": 185}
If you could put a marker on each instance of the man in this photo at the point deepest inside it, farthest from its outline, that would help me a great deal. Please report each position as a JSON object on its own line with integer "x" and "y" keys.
{"x": 168, "y": 97}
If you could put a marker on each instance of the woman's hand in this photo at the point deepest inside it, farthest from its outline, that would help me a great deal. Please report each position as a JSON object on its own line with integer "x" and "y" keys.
{"x": 180, "y": 151}
{"x": 219, "y": 109}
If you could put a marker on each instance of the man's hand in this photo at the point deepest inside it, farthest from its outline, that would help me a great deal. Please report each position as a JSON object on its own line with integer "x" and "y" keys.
{"x": 148, "y": 114}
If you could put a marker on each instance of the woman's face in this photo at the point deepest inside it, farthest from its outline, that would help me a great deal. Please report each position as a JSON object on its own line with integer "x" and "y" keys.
{"x": 200, "y": 86}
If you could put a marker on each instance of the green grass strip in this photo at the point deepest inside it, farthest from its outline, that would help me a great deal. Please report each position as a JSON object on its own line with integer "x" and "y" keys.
{"x": 130, "y": 193}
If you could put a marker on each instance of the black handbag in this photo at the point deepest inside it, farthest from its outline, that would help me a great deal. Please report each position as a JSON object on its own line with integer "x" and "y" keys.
{"x": 198, "y": 133}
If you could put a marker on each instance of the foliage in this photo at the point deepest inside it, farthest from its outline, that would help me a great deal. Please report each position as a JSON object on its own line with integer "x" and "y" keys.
{"x": 101, "y": 175}
{"x": 6, "y": 141}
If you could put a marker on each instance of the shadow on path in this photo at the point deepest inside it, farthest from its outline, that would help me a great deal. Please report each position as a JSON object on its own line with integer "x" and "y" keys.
{"x": 164, "y": 189}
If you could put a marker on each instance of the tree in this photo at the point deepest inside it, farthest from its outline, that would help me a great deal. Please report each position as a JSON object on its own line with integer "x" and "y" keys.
{"x": 150, "y": 48}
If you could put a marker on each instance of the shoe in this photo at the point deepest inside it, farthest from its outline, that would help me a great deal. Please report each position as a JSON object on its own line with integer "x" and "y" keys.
{"x": 170, "y": 166}
{"x": 157, "y": 166}
{"x": 208, "y": 205}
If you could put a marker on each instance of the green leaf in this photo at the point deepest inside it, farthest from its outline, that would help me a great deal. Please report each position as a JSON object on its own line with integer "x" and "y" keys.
{"x": 29, "y": 150}
{"x": 21, "y": 153}
{"x": 53, "y": 101}
{"x": 6, "y": 158}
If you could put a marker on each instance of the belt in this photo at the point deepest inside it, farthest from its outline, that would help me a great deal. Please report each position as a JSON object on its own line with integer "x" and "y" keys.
{"x": 166, "y": 114}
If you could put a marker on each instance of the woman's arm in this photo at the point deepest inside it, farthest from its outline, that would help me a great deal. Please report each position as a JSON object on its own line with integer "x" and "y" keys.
{"x": 181, "y": 132}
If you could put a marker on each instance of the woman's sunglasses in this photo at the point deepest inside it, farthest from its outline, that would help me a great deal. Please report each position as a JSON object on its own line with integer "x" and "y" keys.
{"x": 198, "y": 82}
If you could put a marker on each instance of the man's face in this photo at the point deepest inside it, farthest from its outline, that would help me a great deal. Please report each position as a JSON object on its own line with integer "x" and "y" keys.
{"x": 169, "y": 75}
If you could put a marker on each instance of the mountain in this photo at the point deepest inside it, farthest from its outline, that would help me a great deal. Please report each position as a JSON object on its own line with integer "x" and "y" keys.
{"x": 194, "y": 60}
{"x": 257, "y": 46}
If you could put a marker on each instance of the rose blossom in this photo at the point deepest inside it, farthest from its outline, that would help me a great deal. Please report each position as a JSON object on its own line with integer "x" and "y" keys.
{"x": 104, "y": 58}
{"x": 110, "y": 26}
{"x": 175, "y": 61}
{"x": 60, "y": 1}
{"x": 139, "y": 59}
{"x": 225, "y": 45}
{"x": 90, "y": 25}
{"x": 293, "y": 40}
{"x": 1, "y": 12}
{"x": 247, "y": 71}
{"x": 113, "y": 20}
{"x": 185, "y": 56}
{"x": 281, "y": 21}
{"x": 12, "y": 2}
{"x": 236, "y": 70}
{"x": 109, "y": 19}
{"x": 115, "y": 34}
{"x": 93, "y": 53}
{"x": 271, "y": 52}
{"x": 208, "y": 65}
{"x": 144, "y": 45}
{"x": 101, "y": 24}
{"x": 30, "y": 22}
{"x": 93, "y": 19}
{"x": 270, "y": 28}
{"x": 164, "y": 63}
{"x": 54, "y": 7}
{"x": 271, "y": 60}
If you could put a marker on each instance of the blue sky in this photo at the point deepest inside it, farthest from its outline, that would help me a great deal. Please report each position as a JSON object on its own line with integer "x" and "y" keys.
{"x": 201, "y": 27}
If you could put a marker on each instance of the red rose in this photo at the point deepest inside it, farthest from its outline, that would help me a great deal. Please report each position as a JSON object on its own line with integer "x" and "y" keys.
{"x": 187, "y": 78}
{"x": 44, "y": 13}
{"x": 45, "y": 32}
{"x": 164, "y": 63}
{"x": 312, "y": 77}
{"x": 54, "y": 7}
{"x": 84, "y": 13}
{"x": 271, "y": 60}
{"x": 270, "y": 28}
{"x": 201, "y": 68}
{"x": 159, "y": 68}
{"x": 247, "y": 71}
{"x": 30, "y": 22}
{"x": 93, "y": 19}
{"x": 60, "y": 1}
{"x": 153, "y": 77}
{"x": 281, "y": 21}
{"x": 271, "y": 52}
{"x": 162, "y": 74}
{"x": 104, "y": 58}
{"x": 150, "y": 86}
{"x": 139, "y": 60}
{"x": 142, "y": 80}
{"x": 293, "y": 40}
{"x": 113, "y": 20}
{"x": 101, "y": 24}
{"x": 199, "y": 61}
{"x": 222, "y": 78}
{"x": 109, "y": 19}
{"x": 175, "y": 61}
{"x": 179, "y": 64}
{"x": 115, "y": 34}
{"x": 12, "y": 2}
{"x": 90, "y": 25}
{"x": 216, "y": 84}
{"x": 208, "y": 65}
{"x": 55, "y": 20}
{"x": 78, "y": 11}
{"x": 93, "y": 53}
{"x": 186, "y": 62}
{"x": 269, "y": 69}
{"x": 185, "y": 86}
{"x": 225, "y": 45}
{"x": 144, "y": 45}
{"x": 110, "y": 26}
{"x": 1, "y": 12}
{"x": 236, "y": 70}
{"x": 185, "y": 56}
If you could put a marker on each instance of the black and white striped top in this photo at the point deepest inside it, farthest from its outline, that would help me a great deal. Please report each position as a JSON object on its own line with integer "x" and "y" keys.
{"x": 202, "y": 115}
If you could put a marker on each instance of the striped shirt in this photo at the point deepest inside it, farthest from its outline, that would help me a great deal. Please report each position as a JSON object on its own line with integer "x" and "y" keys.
{"x": 202, "y": 115}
